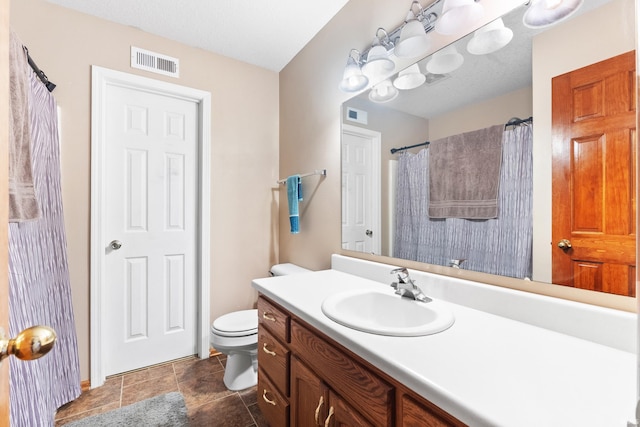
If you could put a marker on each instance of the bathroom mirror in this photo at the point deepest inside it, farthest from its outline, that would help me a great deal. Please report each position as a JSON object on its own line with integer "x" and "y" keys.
{"x": 485, "y": 90}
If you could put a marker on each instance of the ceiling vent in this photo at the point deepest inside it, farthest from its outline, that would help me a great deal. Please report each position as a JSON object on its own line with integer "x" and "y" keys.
{"x": 435, "y": 78}
{"x": 154, "y": 62}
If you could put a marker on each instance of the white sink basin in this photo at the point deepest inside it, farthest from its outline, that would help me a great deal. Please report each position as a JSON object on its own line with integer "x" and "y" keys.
{"x": 385, "y": 313}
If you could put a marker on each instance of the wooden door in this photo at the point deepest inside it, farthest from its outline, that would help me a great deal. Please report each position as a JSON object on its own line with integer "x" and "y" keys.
{"x": 4, "y": 208}
{"x": 594, "y": 152}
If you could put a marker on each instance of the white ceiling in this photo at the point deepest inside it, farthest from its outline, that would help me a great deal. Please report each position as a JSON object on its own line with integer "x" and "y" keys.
{"x": 268, "y": 33}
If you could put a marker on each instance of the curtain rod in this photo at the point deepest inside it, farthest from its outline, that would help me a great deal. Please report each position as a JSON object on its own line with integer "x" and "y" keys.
{"x": 514, "y": 121}
{"x": 394, "y": 150}
{"x": 322, "y": 172}
{"x": 41, "y": 75}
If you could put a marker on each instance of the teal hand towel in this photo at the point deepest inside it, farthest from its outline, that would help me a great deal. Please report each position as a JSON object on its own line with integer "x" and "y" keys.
{"x": 294, "y": 195}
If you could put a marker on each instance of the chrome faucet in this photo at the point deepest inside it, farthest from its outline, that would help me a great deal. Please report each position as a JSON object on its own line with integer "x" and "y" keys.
{"x": 455, "y": 263}
{"x": 405, "y": 286}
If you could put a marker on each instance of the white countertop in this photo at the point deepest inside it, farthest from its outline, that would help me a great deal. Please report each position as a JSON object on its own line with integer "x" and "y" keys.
{"x": 485, "y": 370}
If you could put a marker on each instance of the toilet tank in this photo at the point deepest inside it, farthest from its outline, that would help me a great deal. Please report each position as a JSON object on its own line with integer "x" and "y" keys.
{"x": 286, "y": 269}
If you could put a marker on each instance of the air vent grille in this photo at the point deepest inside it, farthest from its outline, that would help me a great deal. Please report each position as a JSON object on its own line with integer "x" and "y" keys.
{"x": 154, "y": 62}
{"x": 436, "y": 78}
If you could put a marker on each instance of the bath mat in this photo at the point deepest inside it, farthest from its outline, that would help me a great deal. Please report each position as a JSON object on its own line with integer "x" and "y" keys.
{"x": 167, "y": 410}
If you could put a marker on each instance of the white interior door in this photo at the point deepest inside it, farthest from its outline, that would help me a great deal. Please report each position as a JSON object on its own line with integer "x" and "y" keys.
{"x": 151, "y": 143}
{"x": 160, "y": 277}
{"x": 361, "y": 228}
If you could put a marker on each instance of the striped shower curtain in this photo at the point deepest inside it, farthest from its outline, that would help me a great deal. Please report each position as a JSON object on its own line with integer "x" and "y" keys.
{"x": 501, "y": 246}
{"x": 39, "y": 288}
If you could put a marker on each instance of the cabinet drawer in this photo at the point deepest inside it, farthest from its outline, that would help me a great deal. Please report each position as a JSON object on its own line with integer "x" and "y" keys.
{"x": 274, "y": 319}
{"x": 360, "y": 387}
{"x": 273, "y": 358}
{"x": 274, "y": 406}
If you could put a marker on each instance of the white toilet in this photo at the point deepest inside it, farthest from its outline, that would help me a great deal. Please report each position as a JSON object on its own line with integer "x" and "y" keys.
{"x": 236, "y": 335}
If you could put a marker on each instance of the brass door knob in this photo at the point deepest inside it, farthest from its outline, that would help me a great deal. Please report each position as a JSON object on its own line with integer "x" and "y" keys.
{"x": 30, "y": 344}
{"x": 564, "y": 244}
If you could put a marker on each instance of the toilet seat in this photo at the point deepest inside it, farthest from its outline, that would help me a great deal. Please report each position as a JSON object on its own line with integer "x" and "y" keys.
{"x": 237, "y": 324}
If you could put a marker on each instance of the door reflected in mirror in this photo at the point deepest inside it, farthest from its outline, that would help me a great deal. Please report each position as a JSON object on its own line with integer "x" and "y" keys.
{"x": 489, "y": 89}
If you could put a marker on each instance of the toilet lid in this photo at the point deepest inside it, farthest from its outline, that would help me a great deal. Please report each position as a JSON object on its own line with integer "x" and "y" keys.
{"x": 238, "y": 323}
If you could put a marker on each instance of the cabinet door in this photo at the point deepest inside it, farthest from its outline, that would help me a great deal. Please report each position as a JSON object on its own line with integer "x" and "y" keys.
{"x": 341, "y": 414}
{"x": 308, "y": 396}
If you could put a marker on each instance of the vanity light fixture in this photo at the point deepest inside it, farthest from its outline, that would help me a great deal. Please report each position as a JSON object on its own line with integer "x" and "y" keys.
{"x": 413, "y": 40}
{"x": 409, "y": 78}
{"x": 490, "y": 38}
{"x": 445, "y": 61}
{"x": 543, "y": 13}
{"x": 378, "y": 62}
{"x": 352, "y": 79}
{"x": 458, "y": 15}
{"x": 383, "y": 92}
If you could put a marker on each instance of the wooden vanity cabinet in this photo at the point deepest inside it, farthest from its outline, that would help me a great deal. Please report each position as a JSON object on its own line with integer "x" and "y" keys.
{"x": 307, "y": 379}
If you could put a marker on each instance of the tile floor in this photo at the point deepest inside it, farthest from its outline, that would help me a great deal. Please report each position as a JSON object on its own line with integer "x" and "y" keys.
{"x": 208, "y": 401}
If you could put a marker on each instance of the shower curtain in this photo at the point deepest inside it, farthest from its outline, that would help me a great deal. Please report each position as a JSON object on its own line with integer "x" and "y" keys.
{"x": 39, "y": 288}
{"x": 501, "y": 246}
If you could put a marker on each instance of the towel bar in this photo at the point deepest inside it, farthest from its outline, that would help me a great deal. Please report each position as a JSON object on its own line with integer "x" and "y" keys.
{"x": 322, "y": 172}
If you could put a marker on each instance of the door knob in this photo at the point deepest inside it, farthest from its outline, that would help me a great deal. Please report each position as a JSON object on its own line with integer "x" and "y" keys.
{"x": 30, "y": 344}
{"x": 115, "y": 244}
{"x": 369, "y": 233}
{"x": 564, "y": 244}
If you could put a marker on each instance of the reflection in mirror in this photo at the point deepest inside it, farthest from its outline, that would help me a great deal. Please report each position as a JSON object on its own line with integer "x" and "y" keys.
{"x": 467, "y": 92}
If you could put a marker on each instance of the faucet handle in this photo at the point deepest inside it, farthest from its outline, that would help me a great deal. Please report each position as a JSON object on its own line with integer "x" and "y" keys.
{"x": 455, "y": 263}
{"x": 403, "y": 274}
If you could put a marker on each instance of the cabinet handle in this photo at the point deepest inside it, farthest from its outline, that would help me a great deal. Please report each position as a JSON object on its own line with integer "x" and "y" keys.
{"x": 266, "y": 399}
{"x": 326, "y": 422}
{"x": 266, "y": 350}
{"x": 320, "y": 403}
{"x": 268, "y": 316}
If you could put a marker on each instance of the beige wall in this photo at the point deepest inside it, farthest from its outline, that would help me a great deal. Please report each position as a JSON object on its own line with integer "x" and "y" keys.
{"x": 310, "y": 125}
{"x": 244, "y": 159}
{"x": 483, "y": 114}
